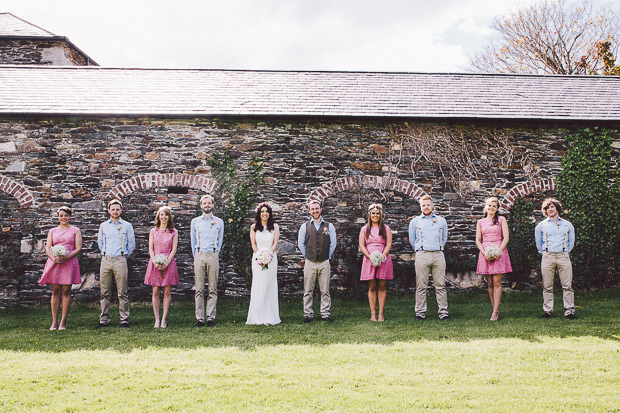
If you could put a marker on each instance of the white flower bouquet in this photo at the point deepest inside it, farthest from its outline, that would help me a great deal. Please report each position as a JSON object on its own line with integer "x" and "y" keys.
{"x": 492, "y": 252}
{"x": 263, "y": 258}
{"x": 377, "y": 258}
{"x": 59, "y": 250}
{"x": 160, "y": 259}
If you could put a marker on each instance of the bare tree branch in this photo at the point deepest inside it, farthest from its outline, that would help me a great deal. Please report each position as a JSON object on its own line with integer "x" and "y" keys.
{"x": 551, "y": 37}
{"x": 461, "y": 155}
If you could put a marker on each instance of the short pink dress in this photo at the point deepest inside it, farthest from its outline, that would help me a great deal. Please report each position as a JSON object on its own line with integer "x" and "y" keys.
{"x": 67, "y": 272}
{"x": 162, "y": 244}
{"x": 376, "y": 243}
{"x": 492, "y": 235}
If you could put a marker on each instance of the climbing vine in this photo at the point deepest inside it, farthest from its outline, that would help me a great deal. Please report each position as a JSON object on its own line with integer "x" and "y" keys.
{"x": 461, "y": 154}
{"x": 588, "y": 188}
{"x": 235, "y": 197}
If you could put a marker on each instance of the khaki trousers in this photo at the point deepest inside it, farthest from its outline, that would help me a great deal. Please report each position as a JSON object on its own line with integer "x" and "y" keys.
{"x": 113, "y": 269}
{"x": 430, "y": 263}
{"x": 314, "y": 271}
{"x": 206, "y": 263}
{"x": 560, "y": 261}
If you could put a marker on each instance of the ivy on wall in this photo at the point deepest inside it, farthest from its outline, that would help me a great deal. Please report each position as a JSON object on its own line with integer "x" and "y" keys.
{"x": 588, "y": 189}
{"x": 235, "y": 199}
{"x": 522, "y": 248}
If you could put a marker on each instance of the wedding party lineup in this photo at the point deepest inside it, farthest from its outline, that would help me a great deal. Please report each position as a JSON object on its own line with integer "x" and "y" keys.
{"x": 317, "y": 241}
{"x": 231, "y": 205}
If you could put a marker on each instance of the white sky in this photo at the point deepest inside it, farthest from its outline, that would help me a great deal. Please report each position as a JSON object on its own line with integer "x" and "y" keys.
{"x": 359, "y": 35}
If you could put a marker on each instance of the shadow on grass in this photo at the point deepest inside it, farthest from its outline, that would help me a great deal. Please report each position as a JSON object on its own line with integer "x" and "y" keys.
{"x": 26, "y": 329}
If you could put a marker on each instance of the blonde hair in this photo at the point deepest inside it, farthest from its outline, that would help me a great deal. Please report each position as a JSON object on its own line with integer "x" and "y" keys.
{"x": 426, "y": 197}
{"x": 497, "y": 215}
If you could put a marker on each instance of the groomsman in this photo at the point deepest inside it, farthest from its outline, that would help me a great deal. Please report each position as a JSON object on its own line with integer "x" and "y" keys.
{"x": 428, "y": 234}
{"x": 207, "y": 235}
{"x": 555, "y": 238}
{"x": 317, "y": 241}
{"x": 116, "y": 242}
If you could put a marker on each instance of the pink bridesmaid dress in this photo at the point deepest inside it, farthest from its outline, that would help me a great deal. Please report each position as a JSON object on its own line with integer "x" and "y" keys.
{"x": 67, "y": 272}
{"x": 492, "y": 235}
{"x": 162, "y": 244}
{"x": 376, "y": 243}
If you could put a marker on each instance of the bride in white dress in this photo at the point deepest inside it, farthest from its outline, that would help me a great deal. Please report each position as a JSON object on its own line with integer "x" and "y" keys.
{"x": 264, "y": 235}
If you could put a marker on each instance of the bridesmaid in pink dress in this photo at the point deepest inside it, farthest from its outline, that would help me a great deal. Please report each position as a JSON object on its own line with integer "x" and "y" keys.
{"x": 492, "y": 230}
{"x": 62, "y": 270}
{"x": 376, "y": 236}
{"x": 163, "y": 240}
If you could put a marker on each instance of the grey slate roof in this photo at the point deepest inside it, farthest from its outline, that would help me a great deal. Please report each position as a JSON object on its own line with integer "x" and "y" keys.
{"x": 135, "y": 92}
{"x": 11, "y": 25}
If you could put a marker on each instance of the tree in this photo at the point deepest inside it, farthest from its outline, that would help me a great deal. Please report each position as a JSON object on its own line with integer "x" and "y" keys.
{"x": 552, "y": 37}
{"x": 609, "y": 61}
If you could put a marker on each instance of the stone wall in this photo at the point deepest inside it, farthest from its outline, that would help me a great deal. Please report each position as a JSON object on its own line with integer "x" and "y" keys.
{"x": 149, "y": 162}
{"x": 40, "y": 52}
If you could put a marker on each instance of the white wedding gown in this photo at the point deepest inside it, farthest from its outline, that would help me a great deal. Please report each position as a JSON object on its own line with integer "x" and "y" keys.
{"x": 264, "y": 307}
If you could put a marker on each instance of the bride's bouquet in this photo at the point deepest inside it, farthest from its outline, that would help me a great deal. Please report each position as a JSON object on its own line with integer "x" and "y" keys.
{"x": 492, "y": 252}
{"x": 376, "y": 258}
{"x": 59, "y": 250}
{"x": 160, "y": 259}
{"x": 263, "y": 258}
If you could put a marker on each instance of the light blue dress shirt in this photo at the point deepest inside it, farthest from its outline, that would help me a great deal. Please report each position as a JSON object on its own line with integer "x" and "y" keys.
{"x": 556, "y": 233}
{"x": 110, "y": 238}
{"x": 431, "y": 240}
{"x": 208, "y": 229}
{"x": 301, "y": 237}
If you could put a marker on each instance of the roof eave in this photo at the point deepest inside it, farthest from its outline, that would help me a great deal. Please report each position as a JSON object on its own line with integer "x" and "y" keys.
{"x": 310, "y": 115}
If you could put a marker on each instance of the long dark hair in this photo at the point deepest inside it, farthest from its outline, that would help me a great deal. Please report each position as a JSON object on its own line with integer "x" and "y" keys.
{"x": 167, "y": 211}
{"x": 258, "y": 224}
{"x": 382, "y": 230}
{"x": 497, "y": 214}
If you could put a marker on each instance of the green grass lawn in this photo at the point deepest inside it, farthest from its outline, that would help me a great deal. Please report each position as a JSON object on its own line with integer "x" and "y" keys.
{"x": 520, "y": 363}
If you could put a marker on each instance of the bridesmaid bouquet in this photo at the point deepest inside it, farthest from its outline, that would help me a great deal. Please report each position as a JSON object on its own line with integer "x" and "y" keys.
{"x": 160, "y": 259}
{"x": 492, "y": 253}
{"x": 263, "y": 258}
{"x": 59, "y": 250}
{"x": 376, "y": 258}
